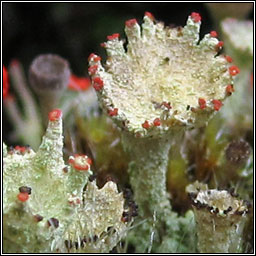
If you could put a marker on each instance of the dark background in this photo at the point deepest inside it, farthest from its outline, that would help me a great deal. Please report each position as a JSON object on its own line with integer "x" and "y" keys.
{"x": 74, "y": 30}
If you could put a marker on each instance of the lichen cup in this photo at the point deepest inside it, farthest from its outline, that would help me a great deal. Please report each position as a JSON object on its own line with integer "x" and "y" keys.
{"x": 49, "y": 76}
{"x": 52, "y": 207}
{"x": 220, "y": 219}
{"x": 161, "y": 83}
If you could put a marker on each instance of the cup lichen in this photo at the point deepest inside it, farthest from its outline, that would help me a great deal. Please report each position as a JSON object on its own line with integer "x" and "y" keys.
{"x": 220, "y": 219}
{"x": 45, "y": 207}
{"x": 165, "y": 80}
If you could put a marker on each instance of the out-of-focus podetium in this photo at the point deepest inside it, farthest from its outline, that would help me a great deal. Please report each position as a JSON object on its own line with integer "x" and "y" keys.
{"x": 44, "y": 206}
{"x": 239, "y": 39}
{"x": 166, "y": 81}
{"x": 238, "y": 110}
{"x": 220, "y": 219}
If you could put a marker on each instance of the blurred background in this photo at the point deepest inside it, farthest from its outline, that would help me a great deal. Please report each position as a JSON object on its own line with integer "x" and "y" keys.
{"x": 74, "y": 30}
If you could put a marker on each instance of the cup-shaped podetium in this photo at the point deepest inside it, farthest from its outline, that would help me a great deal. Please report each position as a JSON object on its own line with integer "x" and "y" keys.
{"x": 49, "y": 76}
{"x": 166, "y": 77}
{"x": 49, "y": 72}
{"x": 220, "y": 219}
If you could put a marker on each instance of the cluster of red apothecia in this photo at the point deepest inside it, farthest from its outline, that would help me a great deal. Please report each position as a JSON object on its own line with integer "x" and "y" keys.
{"x": 19, "y": 149}
{"x": 98, "y": 83}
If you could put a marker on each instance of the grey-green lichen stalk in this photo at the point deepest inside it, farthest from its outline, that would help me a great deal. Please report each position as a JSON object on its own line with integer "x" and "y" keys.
{"x": 167, "y": 80}
{"x": 44, "y": 206}
{"x": 220, "y": 219}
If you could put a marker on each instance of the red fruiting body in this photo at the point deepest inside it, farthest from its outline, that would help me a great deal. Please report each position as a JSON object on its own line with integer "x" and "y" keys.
{"x": 5, "y": 82}
{"x": 130, "y": 23}
{"x": 17, "y": 148}
{"x": 23, "y": 197}
{"x": 103, "y": 45}
{"x": 146, "y": 125}
{"x": 195, "y": 16}
{"x": 228, "y": 59}
{"x": 80, "y": 162}
{"x": 150, "y": 15}
{"x": 113, "y": 112}
{"x": 55, "y": 115}
{"x": 219, "y": 45}
{"x": 97, "y": 83}
{"x": 213, "y": 34}
{"x": 94, "y": 57}
{"x": 20, "y": 149}
{"x": 166, "y": 104}
{"x": 233, "y": 70}
{"x": 97, "y": 58}
{"x": 202, "y": 103}
{"x": 217, "y": 104}
{"x": 251, "y": 79}
{"x": 79, "y": 83}
{"x": 92, "y": 69}
{"x": 80, "y": 167}
{"x": 71, "y": 160}
{"x": 157, "y": 122}
{"x": 114, "y": 36}
{"x": 89, "y": 161}
{"x": 230, "y": 89}
{"x": 91, "y": 57}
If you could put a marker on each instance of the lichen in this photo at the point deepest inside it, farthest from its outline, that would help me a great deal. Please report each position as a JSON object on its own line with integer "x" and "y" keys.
{"x": 163, "y": 81}
{"x": 161, "y": 76}
{"x": 238, "y": 37}
{"x": 44, "y": 206}
{"x": 220, "y": 219}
